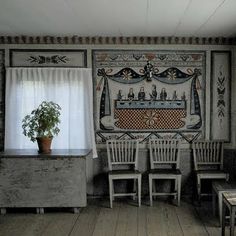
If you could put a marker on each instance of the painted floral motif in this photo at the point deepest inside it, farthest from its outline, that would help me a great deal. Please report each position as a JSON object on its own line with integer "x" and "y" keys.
{"x": 221, "y": 93}
{"x": 55, "y": 59}
{"x": 184, "y": 57}
{"x": 125, "y": 57}
{"x": 102, "y": 57}
{"x": 150, "y": 118}
{"x": 162, "y": 57}
{"x": 127, "y": 75}
{"x": 113, "y": 57}
{"x": 137, "y": 56}
{"x": 196, "y": 57}
{"x": 171, "y": 75}
{"x": 150, "y": 56}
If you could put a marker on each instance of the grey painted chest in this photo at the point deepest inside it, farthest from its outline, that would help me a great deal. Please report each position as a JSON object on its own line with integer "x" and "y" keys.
{"x": 28, "y": 179}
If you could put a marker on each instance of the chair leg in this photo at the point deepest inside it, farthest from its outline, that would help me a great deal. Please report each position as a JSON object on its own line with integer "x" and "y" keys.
{"x": 111, "y": 190}
{"x": 154, "y": 189}
{"x": 199, "y": 189}
{"x": 150, "y": 189}
{"x": 223, "y": 220}
{"x": 176, "y": 188}
{"x": 214, "y": 196}
{"x": 139, "y": 190}
{"x": 135, "y": 188}
{"x": 220, "y": 207}
{"x": 232, "y": 220}
{"x": 179, "y": 189}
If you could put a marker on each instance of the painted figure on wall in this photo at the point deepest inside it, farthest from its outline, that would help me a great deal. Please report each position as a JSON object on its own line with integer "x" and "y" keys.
{"x": 163, "y": 94}
{"x": 183, "y": 97}
{"x": 131, "y": 94}
{"x": 174, "y": 97}
{"x": 153, "y": 95}
{"x": 148, "y": 70}
{"x": 119, "y": 95}
{"x": 141, "y": 94}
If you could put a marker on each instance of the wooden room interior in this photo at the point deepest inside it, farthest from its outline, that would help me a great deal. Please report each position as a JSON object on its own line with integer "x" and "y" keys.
{"x": 136, "y": 101}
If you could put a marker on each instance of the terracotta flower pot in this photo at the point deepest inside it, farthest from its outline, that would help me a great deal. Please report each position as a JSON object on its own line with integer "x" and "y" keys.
{"x": 44, "y": 144}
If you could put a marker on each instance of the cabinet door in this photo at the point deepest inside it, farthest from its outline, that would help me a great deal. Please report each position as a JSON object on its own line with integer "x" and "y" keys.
{"x": 42, "y": 182}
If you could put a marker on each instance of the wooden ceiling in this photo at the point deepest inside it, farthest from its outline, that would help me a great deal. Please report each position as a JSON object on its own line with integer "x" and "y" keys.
{"x": 176, "y": 18}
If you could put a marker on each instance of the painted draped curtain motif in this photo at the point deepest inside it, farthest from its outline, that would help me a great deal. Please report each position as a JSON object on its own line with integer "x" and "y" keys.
{"x": 146, "y": 94}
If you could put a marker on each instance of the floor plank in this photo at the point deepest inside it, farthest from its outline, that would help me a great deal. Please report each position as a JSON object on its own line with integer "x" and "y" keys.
{"x": 163, "y": 220}
{"x": 125, "y": 219}
{"x": 106, "y": 221}
{"x": 85, "y": 223}
{"x": 60, "y": 225}
{"x": 172, "y": 222}
{"x": 190, "y": 221}
{"x": 142, "y": 220}
{"x": 23, "y": 225}
{"x": 210, "y": 222}
{"x": 155, "y": 220}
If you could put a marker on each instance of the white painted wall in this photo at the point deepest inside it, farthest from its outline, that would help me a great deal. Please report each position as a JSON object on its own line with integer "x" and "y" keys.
{"x": 207, "y": 48}
{"x": 96, "y": 167}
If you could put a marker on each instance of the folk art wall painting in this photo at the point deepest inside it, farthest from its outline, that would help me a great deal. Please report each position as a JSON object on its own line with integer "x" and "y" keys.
{"x": 48, "y": 58}
{"x": 148, "y": 94}
{"x": 220, "y": 95}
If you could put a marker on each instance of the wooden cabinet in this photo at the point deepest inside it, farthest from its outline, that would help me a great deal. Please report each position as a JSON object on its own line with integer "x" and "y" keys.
{"x": 28, "y": 179}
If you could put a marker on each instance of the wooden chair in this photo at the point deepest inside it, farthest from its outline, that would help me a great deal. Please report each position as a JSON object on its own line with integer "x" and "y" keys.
{"x": 208, "y": 162}
{"x": 165, "y": 153}
{"x": 123, "y": 153}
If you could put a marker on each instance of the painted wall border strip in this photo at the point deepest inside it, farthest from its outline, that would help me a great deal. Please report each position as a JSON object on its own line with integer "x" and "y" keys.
{"x": 116, "y": 40}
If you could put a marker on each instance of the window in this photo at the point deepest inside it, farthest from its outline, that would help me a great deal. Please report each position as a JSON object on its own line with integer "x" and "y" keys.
{"x": 71, "y": 88}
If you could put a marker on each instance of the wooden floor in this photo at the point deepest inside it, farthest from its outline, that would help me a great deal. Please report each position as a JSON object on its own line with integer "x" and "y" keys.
{"x": 124, "y": 219}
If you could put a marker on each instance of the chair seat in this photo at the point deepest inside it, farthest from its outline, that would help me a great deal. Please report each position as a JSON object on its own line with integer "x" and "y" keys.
{"x": 124, "y": 172}
{"x": 165, "y": 171}
{"x": 212, "y": 173}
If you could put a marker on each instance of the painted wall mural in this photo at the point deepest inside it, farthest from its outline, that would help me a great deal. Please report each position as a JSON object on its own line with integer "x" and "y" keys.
{"x": 144, "y": 94}
{"x": 48, "y": 58}
{"x": 220, "y": 95}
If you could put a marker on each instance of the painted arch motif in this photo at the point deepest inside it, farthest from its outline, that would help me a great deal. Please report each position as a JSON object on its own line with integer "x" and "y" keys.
{"x": 141, "y": 94}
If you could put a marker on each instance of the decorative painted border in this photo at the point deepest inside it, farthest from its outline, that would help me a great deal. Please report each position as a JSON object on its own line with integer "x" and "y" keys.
{"x": 2, "y": 71}
{"x": 116, "y": 40}
{"x": 150, "y": 134}
{"x": 2, "y": 100}
{"x": 221, "y": 89}
{"x": 83, "y": 52}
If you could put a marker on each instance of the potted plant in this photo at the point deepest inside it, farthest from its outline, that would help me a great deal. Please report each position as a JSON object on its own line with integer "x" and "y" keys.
{"x": 42, "y": 125}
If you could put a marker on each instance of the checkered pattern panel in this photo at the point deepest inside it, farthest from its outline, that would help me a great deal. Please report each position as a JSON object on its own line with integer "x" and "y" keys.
{"x": 149, "y": 118}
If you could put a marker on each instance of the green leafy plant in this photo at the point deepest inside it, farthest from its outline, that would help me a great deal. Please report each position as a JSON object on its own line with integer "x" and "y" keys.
{"x": 42, "y": 122}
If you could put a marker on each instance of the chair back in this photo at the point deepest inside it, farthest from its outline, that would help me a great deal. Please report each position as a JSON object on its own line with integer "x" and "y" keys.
{"x": 164, "y": 152}
{"x": 208, "y": 153}
{"x": 122, "y": 152}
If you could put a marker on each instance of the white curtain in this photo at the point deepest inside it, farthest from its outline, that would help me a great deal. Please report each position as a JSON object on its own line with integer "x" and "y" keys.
{"x": 71, "y": 88}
